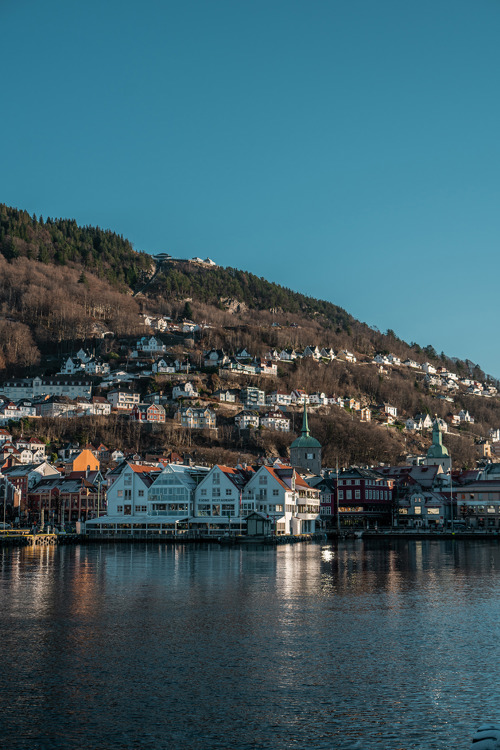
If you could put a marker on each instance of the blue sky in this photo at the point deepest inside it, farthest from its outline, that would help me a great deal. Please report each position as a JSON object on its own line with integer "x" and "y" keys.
{"x": 349, "y": 150}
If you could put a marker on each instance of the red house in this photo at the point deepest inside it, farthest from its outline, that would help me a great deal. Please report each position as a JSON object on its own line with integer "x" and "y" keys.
{"x": 360, "y": 497}
{"x": 154, "y": 413}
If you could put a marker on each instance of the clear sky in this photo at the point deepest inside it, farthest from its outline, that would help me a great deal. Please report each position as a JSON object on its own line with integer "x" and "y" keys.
{"x": 349, "y": 150}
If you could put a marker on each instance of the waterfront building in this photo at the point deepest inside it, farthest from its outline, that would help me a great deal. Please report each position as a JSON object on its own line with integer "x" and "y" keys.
{"x": 128, "y": 486}
{"x": 361, "y": 497}
{"x": 220, "y": 493}
{"x": 62, "y": 500}
{"x": 282, "y": 495}
{"x": 421, "y": 509}
{"x": 23, "y": 478}
{"x": 478, "y": 503}
{"x": 172, "y": 493}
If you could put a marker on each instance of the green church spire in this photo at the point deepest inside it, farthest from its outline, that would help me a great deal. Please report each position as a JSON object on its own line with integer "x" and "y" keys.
{"x": 305, "y": 426}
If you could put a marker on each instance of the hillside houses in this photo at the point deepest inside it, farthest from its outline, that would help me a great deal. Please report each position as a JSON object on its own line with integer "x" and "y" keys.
{"x": 196, "y": 418}
{"x": 150, "y": 413}
{"x": 275, "y": 420}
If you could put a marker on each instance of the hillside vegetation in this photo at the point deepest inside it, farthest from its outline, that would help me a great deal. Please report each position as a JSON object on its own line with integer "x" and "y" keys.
{"x": 63, "y": 285}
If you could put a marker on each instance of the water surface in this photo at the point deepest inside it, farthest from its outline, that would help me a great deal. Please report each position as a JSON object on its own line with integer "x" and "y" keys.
{"x": 390, "y": 645}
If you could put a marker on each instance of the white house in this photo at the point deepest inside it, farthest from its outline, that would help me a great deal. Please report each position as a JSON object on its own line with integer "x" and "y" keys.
{"x": 312, "y": 351}
{"x": 285, "y": 497}
{"x": 413, "y": 425}
{"x": 162, "y": 366}
{"x": 318, "y": 398}
{"x": 172, "y": 493}
{"x": 220, "y": 494}
{"x": 390, "y": 410}
{"x": 96, "y": 367}
{"x": 72, "y": 366}
{"x": 299, "y": 397}
{"x": 123, "y": 400}
{"x": 394, "y": 360}
{"x": 215, "y": 358}
{"x": 464, "y": 416}
{"x": 185, "y": 390}
{"x": 246, "y": 419}
{"x": 412, "y": 363}
{"x": 275, "y": 420}
{"x": 428, "y": 368}
{"x": 128, "y": 486}
{"x": 279, "y": 398}
{"x": 348, "y": 356}
{"x": 149, "y": 345}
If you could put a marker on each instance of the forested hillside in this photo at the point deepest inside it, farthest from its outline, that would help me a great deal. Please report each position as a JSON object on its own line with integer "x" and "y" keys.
{"x": 62, "y": 282}
{"x": 61, "y": 242}
{"x": 63, "y": 286}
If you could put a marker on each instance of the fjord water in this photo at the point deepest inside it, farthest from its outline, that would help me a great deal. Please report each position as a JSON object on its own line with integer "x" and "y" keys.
{"x": 362, "y": 644}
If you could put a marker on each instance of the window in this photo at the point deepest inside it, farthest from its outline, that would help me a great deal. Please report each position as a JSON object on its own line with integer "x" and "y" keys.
{"x": 216, "y": 492}
{"x": 229, "y": 493}
{"x": 216, "y": 510}
{"x": 357, "y": 494}
{"x": 341, "y": 494}
{"x": 119, "y": 508}
{"x": 418, "y": 510}
{"x": 263, "y": 479}
{"x": 348, "y": 495}
{"x": 433, "y": 511}
{"x": 141, "y": 493}
{"x": 203, "y": 492}
{"x": 120, "y": 493}
{"x": 216, "y": 479}
{"x": 276, "y": 493}
{"x": 279, "y": 509}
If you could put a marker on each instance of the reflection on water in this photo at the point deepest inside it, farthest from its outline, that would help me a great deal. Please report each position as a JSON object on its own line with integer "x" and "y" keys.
{"x": 362, "y": 644}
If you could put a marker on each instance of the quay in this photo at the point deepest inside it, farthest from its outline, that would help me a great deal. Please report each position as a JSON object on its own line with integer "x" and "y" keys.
{"x": 25, "y": 538}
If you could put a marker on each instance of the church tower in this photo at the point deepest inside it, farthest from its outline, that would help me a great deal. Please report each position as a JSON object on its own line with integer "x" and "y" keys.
{"x": 438, "y": 454}
{"x": 305, "y": 452}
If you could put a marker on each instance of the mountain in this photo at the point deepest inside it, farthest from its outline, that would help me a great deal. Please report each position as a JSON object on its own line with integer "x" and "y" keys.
{"x": 63, "y": 284}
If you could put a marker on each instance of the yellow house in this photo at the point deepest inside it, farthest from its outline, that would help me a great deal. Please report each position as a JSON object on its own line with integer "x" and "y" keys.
{"x": 85, "y": 460}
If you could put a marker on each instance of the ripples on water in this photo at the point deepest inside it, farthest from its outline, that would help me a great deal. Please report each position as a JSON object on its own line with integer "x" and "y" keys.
{"x": 361, "y": 645}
